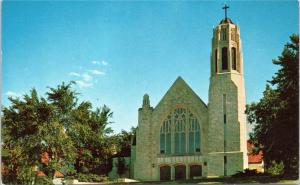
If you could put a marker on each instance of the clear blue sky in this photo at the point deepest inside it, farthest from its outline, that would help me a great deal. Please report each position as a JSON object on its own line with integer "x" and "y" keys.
{"x": 117, "y": 51}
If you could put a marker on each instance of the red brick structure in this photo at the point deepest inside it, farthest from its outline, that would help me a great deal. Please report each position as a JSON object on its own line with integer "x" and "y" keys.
{"x": 255, "y": 161}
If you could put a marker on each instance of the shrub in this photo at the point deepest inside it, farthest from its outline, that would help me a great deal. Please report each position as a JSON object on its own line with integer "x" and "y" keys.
{"x": 276, "y": 168}
{"x": 44, "y": 180}
{"x": 90, "y": 177}
{"x": 122, "y": 167}
{"x": 247, "y": 173}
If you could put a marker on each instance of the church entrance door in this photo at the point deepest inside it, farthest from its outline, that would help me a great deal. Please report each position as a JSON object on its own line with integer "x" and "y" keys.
{"x": 165, "y": 173}
{"x": 195, "y": 171}
{"x": 180, "y": 172}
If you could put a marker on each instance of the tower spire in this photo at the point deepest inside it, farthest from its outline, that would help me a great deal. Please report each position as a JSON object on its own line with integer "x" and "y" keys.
{"x": 225, "y": 8}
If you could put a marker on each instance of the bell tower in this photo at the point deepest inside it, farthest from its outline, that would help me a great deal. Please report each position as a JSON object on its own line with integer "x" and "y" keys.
{"x": 227, "y": 100}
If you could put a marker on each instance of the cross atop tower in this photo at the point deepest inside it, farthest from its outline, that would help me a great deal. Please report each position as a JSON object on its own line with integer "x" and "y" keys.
{"x": 225, "y": 8}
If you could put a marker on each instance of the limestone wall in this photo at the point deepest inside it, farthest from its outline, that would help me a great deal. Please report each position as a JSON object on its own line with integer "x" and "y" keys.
{"x": 227, "y": 100}
{"x": 143, "y": 163}
{"x": 148, "y": 134}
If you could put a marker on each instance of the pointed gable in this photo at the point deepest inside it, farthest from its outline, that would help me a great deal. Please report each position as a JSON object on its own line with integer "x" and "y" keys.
{"x": 180, "y": 93}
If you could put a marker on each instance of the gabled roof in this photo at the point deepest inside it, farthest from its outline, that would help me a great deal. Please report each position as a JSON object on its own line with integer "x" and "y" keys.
{"x": 182, "y": 85}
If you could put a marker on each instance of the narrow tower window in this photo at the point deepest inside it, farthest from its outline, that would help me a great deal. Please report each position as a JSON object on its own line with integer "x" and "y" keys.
{"x": 224, "y": 59}
{"x": 224, "y": 108}
{"x": 233, "y": 58}
{"x": 225, "y": 121}
{"x": 223, "y": 34}
{"x": 216, "y": 60}
{"x": 225, "y": 165}
{"x": 233, "y": 34}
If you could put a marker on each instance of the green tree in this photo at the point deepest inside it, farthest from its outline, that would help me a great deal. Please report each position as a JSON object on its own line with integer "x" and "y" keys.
{"x": 121, "y": 166}
{"x": 30, "y": 129}
{"x": 71, "y": 133}
{"x": 88, "y": 128}
{"x": 124, "y": 141}
{"x": 275, "y": 116}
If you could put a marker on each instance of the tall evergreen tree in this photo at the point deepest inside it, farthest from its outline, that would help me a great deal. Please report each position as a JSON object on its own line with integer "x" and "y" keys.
{"x": 275, "y": 116}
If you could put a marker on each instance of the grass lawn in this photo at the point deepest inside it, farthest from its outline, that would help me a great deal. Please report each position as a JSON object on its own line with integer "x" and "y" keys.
{"x": 232, "y": 180}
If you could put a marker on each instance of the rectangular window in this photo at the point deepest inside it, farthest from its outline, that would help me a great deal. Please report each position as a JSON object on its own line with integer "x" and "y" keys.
{"x": 216, "y": 60}
{"x": 197, "y": 141}
{"x": 182, "y": 143}
{"x": 224, "y": 108}
{"x": 162, "y": 143}
{"x": 176, "y": 143}
{"x": 224, "y": 59}
{"x": 223, "y": 34}
{"x": 233, "y": 58}
{"x": 191, "y": 142}
{"x": 168, "y": 143}
{"x": 225, "y": 165}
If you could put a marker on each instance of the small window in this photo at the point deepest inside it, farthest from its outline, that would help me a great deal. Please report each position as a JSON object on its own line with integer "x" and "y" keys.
{"x": 233, "y": 58}
{"x": 223, "y": 34}
{"x": 233, "y": 34}
{"x": 225, "y": 159}
{"x": 224, "y": 59}
{"x": 162, "y": 151}
{"x": 216, "y": 60}
{"x": 224, "y": 108}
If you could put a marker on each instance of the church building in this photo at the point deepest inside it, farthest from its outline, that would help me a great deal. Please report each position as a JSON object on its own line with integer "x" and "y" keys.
{"x": 184, "y": 138}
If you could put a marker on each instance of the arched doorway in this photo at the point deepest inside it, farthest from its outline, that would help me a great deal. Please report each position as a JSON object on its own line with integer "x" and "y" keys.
{"x": 195, "y": 171}
{"x": 180, "y": 172}
{"x": 165, "y": 173}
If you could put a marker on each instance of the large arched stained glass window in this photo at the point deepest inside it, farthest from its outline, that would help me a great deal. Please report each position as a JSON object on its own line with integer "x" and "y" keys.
{"x": 180, "y": 133}
{"x": 194, "y": 134}
{"x": 180, "y": 121}
{"x": 165, "y": 136}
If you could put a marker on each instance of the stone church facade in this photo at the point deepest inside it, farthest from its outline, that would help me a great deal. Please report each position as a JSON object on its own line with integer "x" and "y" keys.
{"x": 182, "y": 137}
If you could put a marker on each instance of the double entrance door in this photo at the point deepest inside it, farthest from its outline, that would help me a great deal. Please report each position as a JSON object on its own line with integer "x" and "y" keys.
{"x": 180, "y": 172}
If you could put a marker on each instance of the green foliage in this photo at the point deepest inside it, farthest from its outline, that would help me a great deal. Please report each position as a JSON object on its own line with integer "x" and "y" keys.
{"x": 247, "y": 173}
{"x": 121, "y": 165}
{"x": 123, "y": 142}
{"x": 90, "y": 178}
{"x": 275, "y": 116}
{"x": 43, "y": 180}
{"x": 275, "y": 168}
{"x": 25, "y": 174}
{"x": 71, "y": 133}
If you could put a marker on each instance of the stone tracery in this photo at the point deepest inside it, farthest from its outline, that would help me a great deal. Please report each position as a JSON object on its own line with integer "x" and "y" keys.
{"x": 182, "y": 128}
